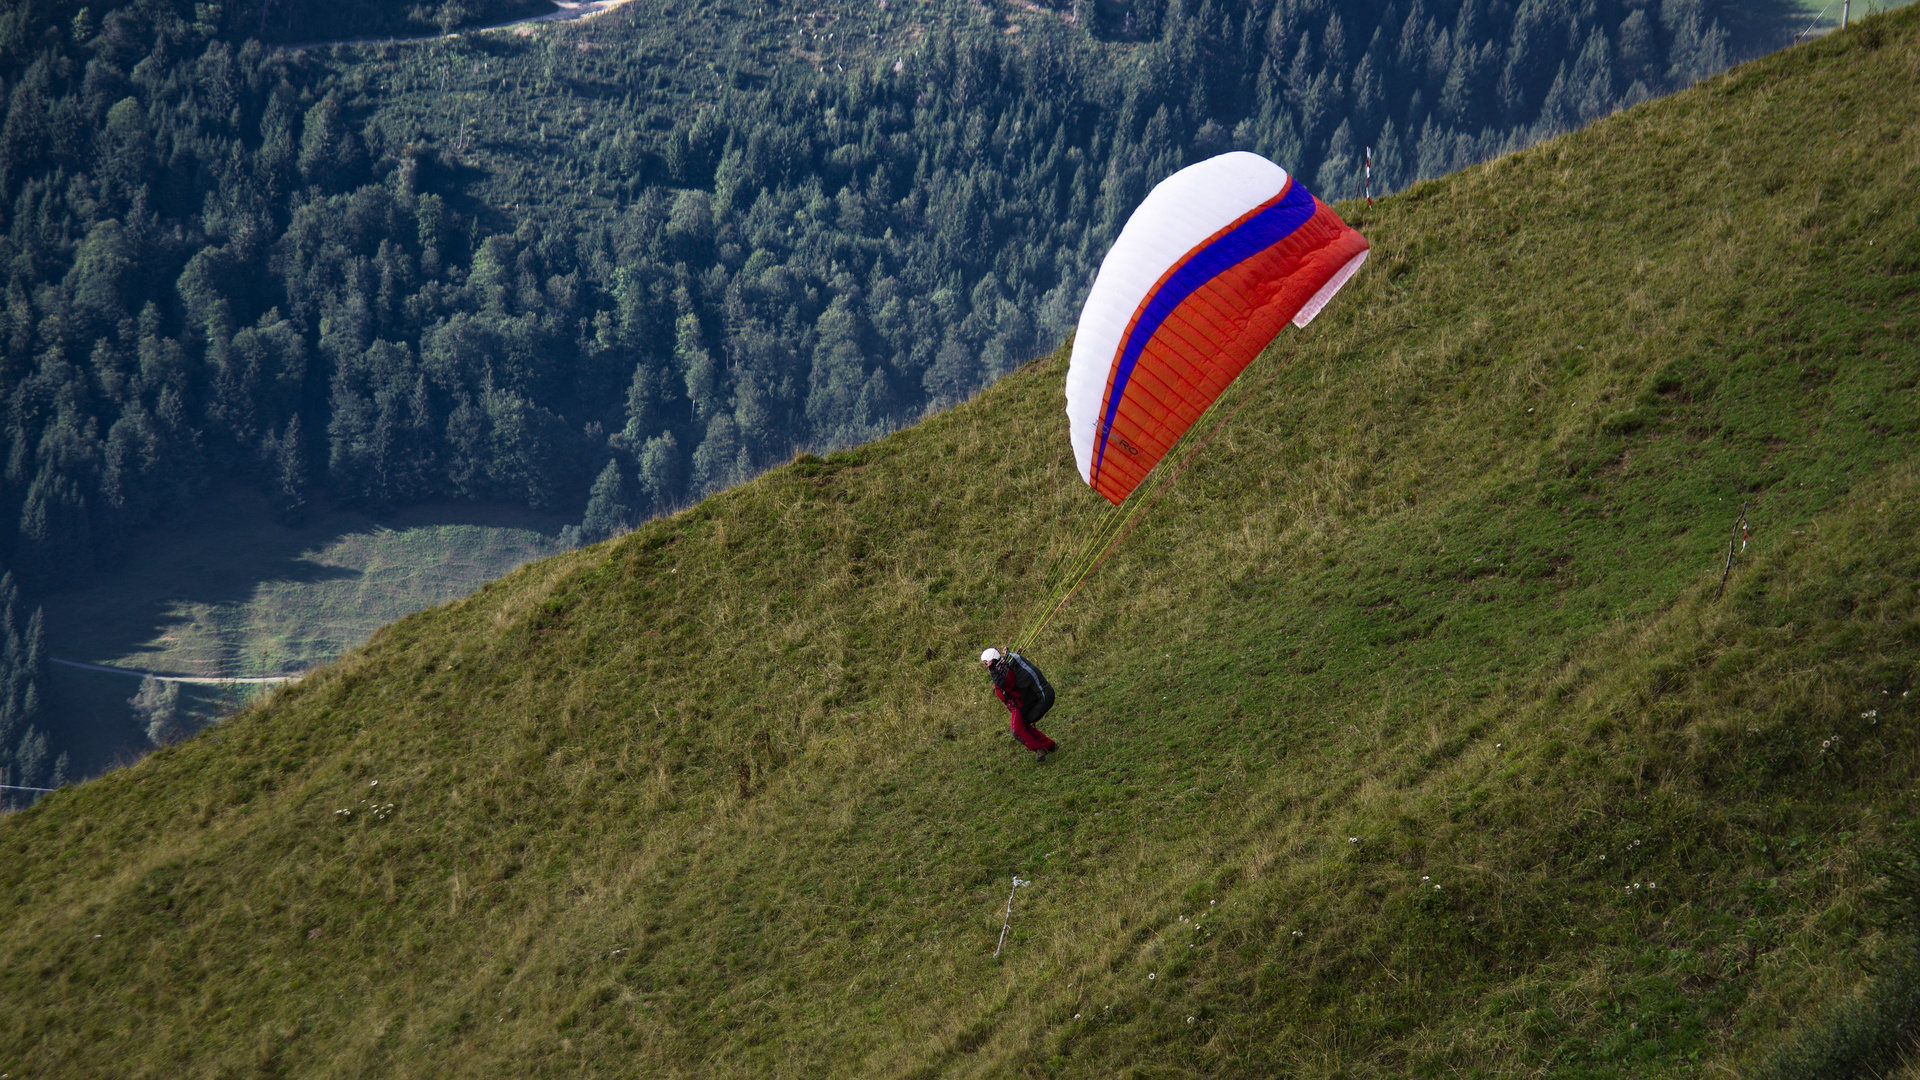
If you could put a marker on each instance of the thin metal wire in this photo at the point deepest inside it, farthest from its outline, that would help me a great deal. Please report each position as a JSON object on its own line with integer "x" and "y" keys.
{"x": 1814, "y": 23}
{"x": 1135, "y": 516}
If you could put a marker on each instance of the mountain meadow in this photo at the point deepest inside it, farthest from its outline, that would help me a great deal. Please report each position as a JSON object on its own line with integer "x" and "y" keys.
{"x": 1519, "y": 683}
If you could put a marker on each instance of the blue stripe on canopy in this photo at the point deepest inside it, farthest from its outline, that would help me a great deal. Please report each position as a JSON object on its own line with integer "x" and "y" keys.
{"x": 1203, "y": 264}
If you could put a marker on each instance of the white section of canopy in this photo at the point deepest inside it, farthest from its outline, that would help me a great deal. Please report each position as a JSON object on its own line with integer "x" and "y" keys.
{"x": 1178, "y": 215}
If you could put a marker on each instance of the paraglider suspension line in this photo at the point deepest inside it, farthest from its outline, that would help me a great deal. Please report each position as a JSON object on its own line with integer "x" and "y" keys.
{"x": 1118, "y": 520}
{"x": 1114, "y": 525}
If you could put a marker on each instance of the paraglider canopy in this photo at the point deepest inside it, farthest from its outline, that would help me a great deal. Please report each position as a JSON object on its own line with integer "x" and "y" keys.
{"x": 1210, "y": 267}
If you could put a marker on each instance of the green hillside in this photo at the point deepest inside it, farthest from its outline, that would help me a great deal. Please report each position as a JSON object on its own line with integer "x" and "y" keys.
{"x": 1410, "y": 736}
{"x": 606, "y": 268}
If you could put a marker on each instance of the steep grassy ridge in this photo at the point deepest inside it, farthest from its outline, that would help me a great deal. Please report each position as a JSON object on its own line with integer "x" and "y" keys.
{"x": 1409, "y": 735}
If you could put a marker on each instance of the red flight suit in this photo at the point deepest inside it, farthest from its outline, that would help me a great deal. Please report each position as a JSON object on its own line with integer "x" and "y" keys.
{"x": 1001, "y": 672}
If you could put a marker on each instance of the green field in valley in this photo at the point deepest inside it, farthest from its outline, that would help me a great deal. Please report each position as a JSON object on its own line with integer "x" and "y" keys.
{"x": 225, "y": 591}
{"x": 1824, "y": 15}
{"x": 1412, "y": 734}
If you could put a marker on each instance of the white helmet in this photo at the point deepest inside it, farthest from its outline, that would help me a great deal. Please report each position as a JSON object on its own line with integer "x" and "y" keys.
{"x": 989, "y": 656}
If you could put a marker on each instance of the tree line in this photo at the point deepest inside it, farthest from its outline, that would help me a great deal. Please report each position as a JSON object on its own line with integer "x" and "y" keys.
{"x": 26, "y": 759}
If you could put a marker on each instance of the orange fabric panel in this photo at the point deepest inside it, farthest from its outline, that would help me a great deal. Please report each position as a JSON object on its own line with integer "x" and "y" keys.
{"x": 1211, "y": 337}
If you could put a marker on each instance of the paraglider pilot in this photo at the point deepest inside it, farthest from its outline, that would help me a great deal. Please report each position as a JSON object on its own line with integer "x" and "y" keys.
{"x": 1020, "y": 709}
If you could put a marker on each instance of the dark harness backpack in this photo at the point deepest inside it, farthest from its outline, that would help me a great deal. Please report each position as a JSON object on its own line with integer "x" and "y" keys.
{"x": 1036, "y": 693}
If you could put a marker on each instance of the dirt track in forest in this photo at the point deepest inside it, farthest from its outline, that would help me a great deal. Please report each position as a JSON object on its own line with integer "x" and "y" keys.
{"x": 202, "y": 680}
{"x": 564, "y": 11}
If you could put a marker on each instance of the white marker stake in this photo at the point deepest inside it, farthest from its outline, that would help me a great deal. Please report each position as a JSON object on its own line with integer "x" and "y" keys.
{"x": 1017, "y": 882}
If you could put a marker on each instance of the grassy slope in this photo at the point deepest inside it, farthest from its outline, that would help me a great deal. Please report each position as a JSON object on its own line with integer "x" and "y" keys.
{"x": 728, "y": 796}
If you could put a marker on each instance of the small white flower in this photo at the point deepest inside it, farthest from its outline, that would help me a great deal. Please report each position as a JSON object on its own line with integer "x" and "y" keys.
{"x": 375, "y": 783}
{"x": 1436, "y": 888}
{"x": 1353, "y": 839}
{"x": 1150, "y": 976}
{"x": 1189, "y": 1019}
{"x": 1424, "y": 877}
{"x": 1076, "y": 1016}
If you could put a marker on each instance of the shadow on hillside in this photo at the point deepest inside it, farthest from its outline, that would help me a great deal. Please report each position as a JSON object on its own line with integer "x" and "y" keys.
{"x": 220, "y": 552}
{"x": 191, "y": 596}
{"x": 98, "y": 731}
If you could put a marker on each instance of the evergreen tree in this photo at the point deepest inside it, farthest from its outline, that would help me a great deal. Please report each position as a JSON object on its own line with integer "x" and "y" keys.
{"x": 55, "y": 541}
{"x": 284, "y": 460}
{"x": 839, "y": 373}
{"x": 647, "y": 403}
{"x": 953, "y": 374}
{"x": 703, "y": 374}
{"x": 23, "y": 678}
{"x": 609, "y": 510}
{"x": 156, "y": 708}
{"x": 1389, "y": 160}
{"x": 662, "y": 474}
{"x": 1638, "y": 50}
{"x": 30, "y": 760}
{"x": 1340, "y": 169}
{"x": 716, "y": 461}
{"x": 328, "y": 151}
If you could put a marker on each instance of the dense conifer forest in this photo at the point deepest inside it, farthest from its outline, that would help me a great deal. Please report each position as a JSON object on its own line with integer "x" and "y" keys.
{"x": 628, "y": 262}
